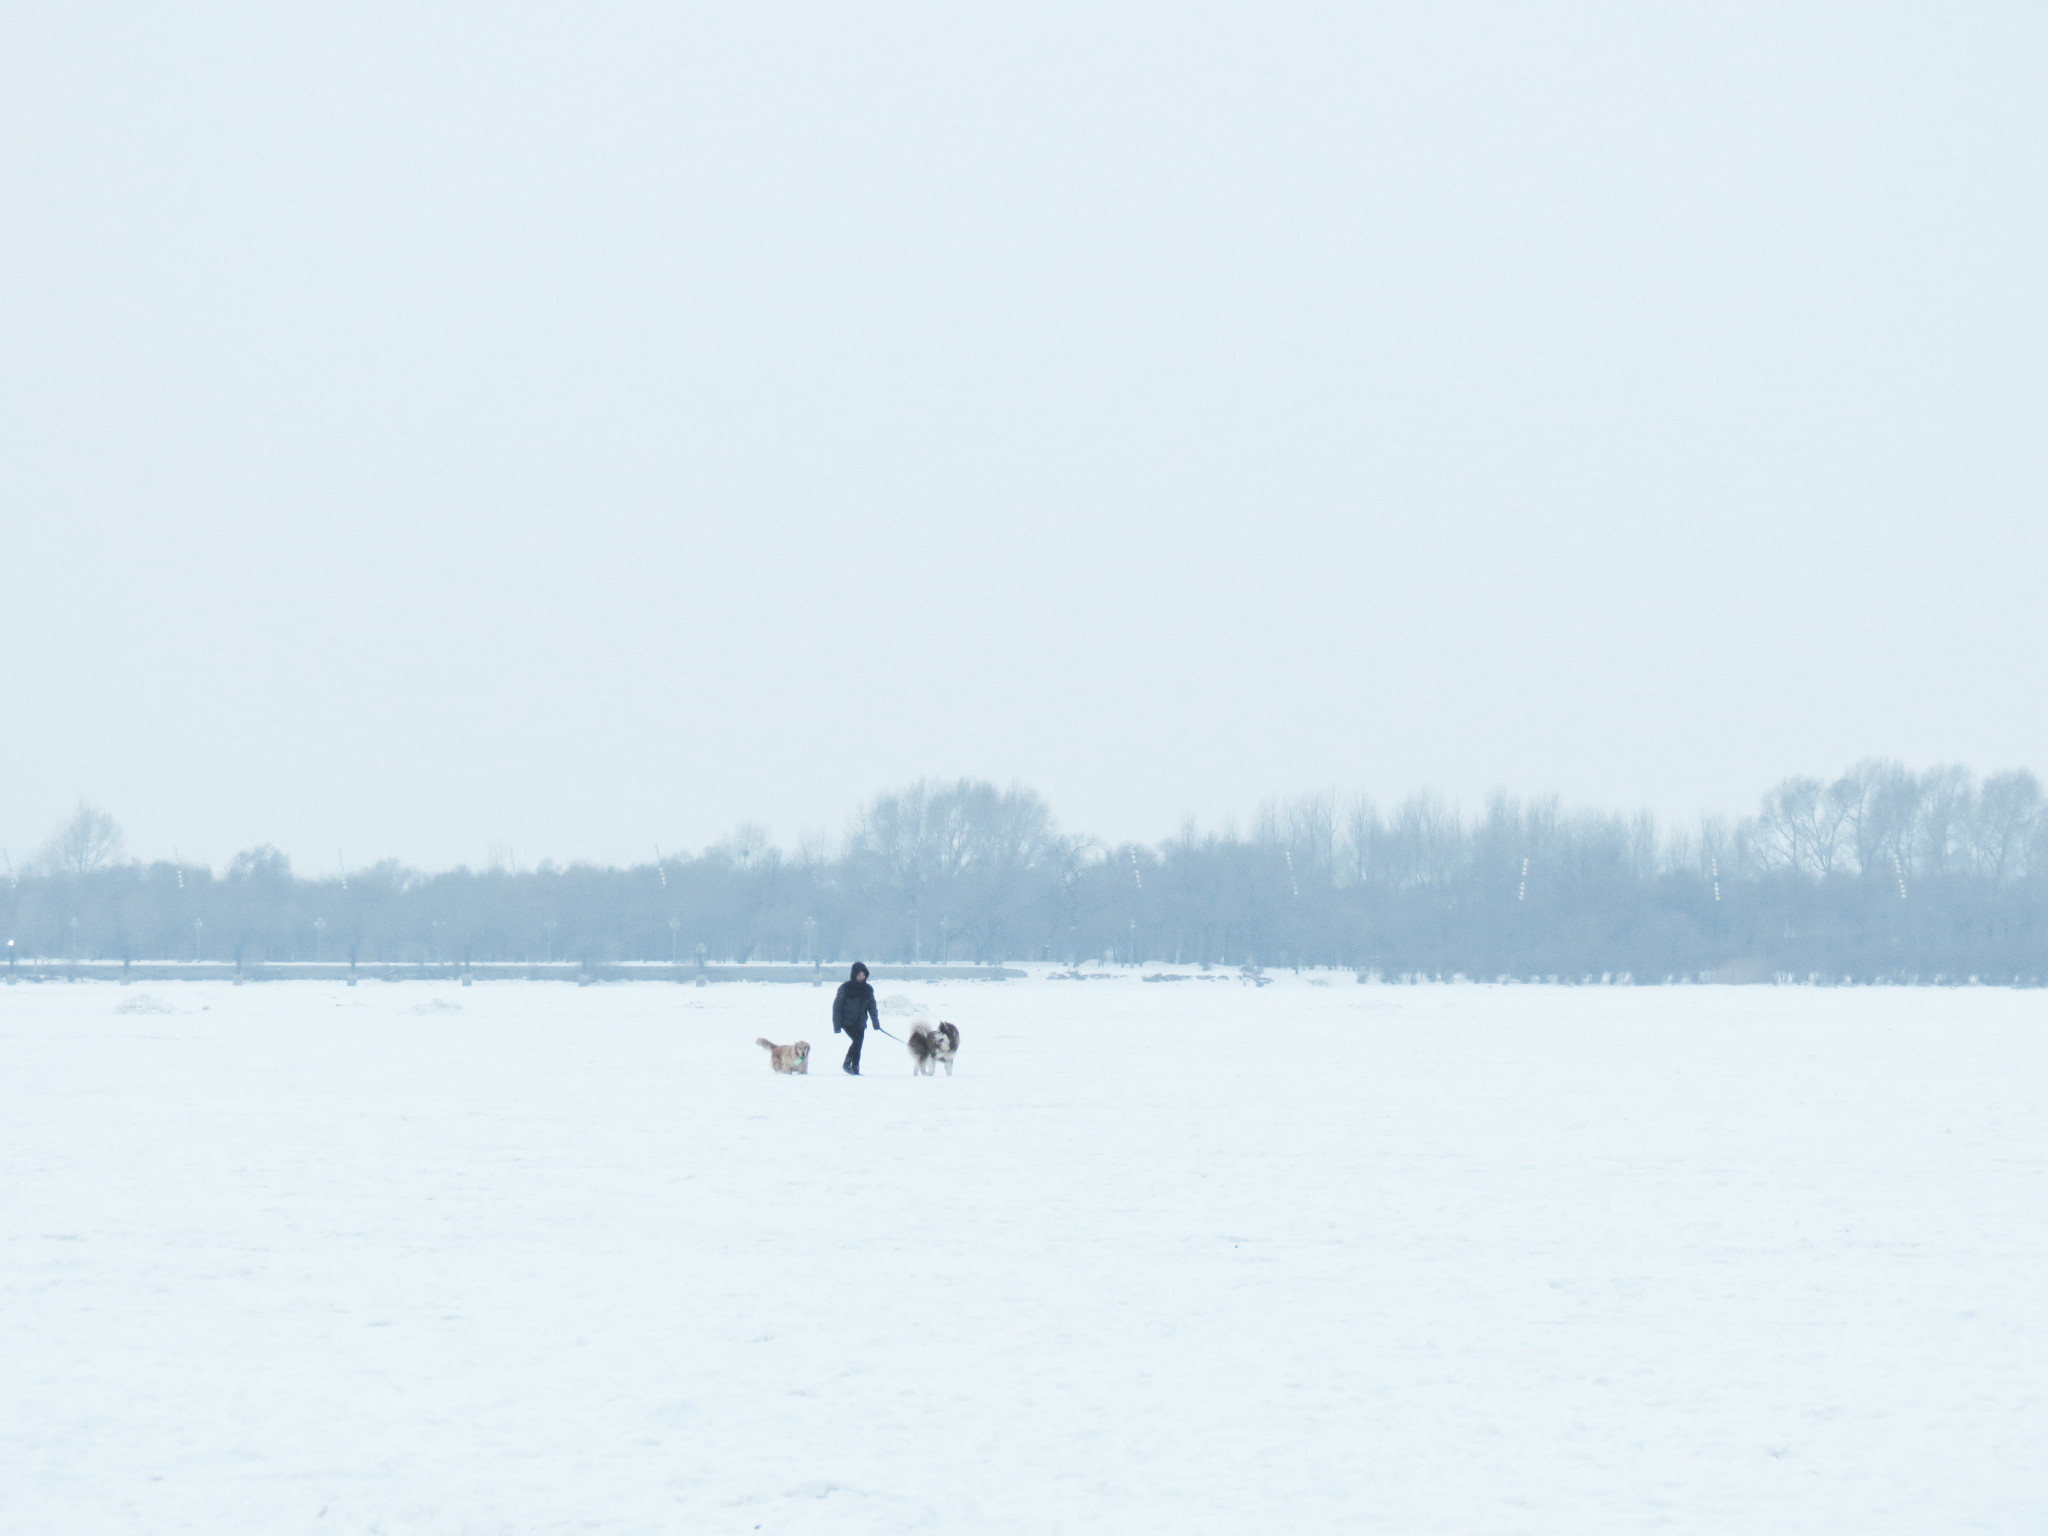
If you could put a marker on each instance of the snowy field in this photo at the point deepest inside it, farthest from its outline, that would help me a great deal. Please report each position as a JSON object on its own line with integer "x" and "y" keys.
{"x": 1183, "y": 1258}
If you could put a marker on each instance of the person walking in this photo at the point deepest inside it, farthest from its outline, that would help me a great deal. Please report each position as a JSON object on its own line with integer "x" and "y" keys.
{"x": 852, "y": 1010}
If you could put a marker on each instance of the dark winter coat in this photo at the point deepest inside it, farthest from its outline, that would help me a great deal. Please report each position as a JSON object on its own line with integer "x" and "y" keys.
{"x": 854, "y": 1008}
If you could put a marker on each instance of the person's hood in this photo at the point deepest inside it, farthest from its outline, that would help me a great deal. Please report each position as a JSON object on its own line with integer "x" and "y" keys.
{"x": 858, "y": 973}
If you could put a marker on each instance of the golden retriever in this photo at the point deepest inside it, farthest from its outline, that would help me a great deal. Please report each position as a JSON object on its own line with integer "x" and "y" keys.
{"x": 788, "y": 1058}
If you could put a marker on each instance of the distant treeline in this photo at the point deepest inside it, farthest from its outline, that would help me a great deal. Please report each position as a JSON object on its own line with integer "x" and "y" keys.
{"x": 1882, "y": 874}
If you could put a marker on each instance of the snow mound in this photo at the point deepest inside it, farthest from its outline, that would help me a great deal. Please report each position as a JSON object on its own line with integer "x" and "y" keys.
{"x": 142, "y": 1002}
{"x": 896, "y": 1003}
{"x": 439, "y": 1005}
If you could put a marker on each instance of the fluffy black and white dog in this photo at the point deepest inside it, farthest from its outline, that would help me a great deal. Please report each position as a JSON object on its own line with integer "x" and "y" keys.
{"x": 932, "y": 1044}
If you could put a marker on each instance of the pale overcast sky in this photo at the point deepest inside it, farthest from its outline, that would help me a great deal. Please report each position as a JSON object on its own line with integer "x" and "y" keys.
{"x": 431, "y": 427}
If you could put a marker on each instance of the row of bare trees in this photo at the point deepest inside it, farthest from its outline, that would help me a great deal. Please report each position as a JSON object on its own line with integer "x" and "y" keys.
{"x": 1877, "y": 819}
{"x": 1880, "y": 818}
{"x": 1882, "y": 871}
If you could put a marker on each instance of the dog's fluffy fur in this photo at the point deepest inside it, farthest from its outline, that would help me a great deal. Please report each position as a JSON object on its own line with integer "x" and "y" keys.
{"x": 788, "y": 1058}
{"x": 931, "y": 1045}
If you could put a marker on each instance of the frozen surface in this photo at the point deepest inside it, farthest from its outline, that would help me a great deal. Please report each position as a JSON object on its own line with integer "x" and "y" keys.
{"x": 1189, "y": 1258}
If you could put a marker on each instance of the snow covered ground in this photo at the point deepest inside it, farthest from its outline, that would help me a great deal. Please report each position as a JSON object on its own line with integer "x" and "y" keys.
{"x": 1190, "y": 1258}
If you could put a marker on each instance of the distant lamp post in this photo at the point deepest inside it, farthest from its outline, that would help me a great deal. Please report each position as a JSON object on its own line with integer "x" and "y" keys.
{"x": 675, "y": 929}
{"x": 74, "y": 938}
{"x": 319, "y": 933}
{"x": 10, "y": 954}
{"x": 550, "y": 925}
{"x": 198, "y": 923}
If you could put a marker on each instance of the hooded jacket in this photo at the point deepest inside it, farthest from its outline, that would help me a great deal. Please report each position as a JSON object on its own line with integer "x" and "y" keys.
{"x": 854, "y": 1007}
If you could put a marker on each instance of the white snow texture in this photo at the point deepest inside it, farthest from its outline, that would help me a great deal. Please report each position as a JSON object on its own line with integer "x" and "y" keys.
{"x": 300, "y": 1258}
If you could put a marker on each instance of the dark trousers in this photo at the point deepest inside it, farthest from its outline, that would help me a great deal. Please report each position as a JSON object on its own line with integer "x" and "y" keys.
{"x": 853, "y": 1051}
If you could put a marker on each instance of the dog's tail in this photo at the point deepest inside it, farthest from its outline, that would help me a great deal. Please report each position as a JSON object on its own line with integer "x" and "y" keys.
{"x": 766, "y": 1045}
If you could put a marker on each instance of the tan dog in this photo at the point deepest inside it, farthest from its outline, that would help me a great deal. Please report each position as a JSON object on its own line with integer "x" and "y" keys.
{"x": 788, "y": 1058}
{"x": 930, "y": 1046}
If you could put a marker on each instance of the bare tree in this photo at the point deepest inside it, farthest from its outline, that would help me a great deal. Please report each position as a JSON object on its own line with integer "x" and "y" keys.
{"x": 1805, "y": 825}
{"x": 1725, "y": 849}
{"x": 1363, "y": 832}
{"x": 1881, "y": 798}
{"x": 89, "y": 841}
{"x": 263, "y": 864}
{"x": 961, "y": 854}
{"x": 1305, "y": 829}
{"x": 1645, "y": 846}
{"x": 2008, "y": 807}
{"x": 1424, "y": 844}
{"x": 746, "y": 846}
{"x": 814, "y": 848}
{"x": 1948, "y": 803}
{"x": 1781, "y": 822}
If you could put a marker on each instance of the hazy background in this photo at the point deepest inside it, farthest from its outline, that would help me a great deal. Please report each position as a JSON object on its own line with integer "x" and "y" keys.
{"x": 425, "y": 430}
